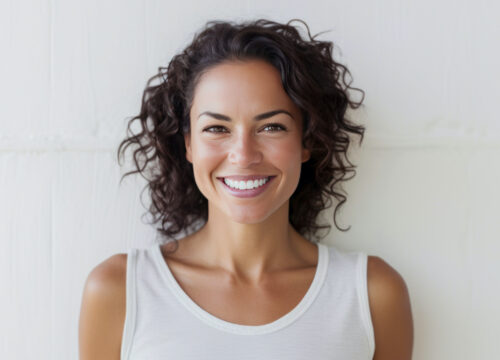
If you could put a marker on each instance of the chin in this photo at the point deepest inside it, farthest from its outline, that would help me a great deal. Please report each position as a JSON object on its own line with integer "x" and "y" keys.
{"x": 246, "y": 217}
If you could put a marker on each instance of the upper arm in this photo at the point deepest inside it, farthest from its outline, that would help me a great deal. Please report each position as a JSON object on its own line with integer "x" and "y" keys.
{"x": 390, "y": 311}
{"x": 102, "y": 313}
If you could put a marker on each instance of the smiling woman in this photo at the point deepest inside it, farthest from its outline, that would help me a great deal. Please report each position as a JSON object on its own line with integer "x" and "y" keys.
{"x": 245, "y": 149}
{"x": 246, "y": 135}
{"x": 312, "y": 80}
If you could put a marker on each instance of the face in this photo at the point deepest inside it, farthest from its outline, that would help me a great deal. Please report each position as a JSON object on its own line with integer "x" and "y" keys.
{"x": 228, "y": 138}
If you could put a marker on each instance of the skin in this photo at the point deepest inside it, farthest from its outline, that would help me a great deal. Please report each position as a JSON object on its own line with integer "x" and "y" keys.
{"x": 247, "y": 252}
{"x": 252, "y": 236}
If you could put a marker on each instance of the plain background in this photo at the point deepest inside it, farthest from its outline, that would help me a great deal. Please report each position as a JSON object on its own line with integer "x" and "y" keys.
{"x": 425, "y": 197}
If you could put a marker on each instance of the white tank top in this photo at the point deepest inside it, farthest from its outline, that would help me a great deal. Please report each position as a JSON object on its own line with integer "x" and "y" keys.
{"x": 332, "y": 321}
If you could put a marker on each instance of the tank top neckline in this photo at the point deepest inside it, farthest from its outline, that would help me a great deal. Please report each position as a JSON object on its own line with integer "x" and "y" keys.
{"x": 213, "y": 321}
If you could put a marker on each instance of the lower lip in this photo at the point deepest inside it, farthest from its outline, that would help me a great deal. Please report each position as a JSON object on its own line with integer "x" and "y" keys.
{"x": 247, "y": 193}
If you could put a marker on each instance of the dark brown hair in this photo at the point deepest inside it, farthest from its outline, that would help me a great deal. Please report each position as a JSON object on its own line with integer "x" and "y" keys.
{"x": 314, "y": 81}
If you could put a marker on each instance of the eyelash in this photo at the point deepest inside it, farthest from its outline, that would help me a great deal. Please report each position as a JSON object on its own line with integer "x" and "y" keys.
{"x": 268, "y": 125}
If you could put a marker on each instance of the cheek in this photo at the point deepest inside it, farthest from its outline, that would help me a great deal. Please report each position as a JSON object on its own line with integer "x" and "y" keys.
{"x": 287, "y": 154}
{"x": 205, "y": 150}
{"x": 206, "y": 155}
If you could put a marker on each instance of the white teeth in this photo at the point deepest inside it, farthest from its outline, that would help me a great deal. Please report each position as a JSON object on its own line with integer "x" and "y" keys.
{"x": 244, "y": 185}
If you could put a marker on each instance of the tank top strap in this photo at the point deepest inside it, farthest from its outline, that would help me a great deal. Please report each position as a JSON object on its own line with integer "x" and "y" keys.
{"x": 131, "y": 304}
{"x": 362, "y": 289}
{"x": 348, "y": 285}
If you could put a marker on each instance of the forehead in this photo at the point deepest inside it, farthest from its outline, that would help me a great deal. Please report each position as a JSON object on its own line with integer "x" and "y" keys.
{"x": 238, "y": 85}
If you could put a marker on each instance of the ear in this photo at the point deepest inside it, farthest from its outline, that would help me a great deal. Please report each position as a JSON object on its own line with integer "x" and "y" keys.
{"x": 306, "y": 154}
{"x": 187, "y": 142}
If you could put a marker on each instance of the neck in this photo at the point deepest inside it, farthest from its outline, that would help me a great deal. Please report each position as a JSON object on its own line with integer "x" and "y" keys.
{"x": 249, "y": 251}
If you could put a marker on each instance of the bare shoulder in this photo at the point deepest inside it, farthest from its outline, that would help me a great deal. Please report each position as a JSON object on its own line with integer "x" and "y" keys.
{"x": 102, "y": 313}
{"x": 390, "y": 311}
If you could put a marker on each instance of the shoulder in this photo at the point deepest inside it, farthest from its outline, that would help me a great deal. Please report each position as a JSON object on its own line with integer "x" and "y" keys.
{"x": 390, "y": 311}
{"x": 108, "y": 275}
{"x": 384, "y": 281}
{"x": 102, "y": 312}
{"x": 106, "y": 282}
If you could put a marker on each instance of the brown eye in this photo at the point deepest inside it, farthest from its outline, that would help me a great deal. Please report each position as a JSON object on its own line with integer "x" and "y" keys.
{"x": 275, "y": 126}
{"x": 214, "y": 127}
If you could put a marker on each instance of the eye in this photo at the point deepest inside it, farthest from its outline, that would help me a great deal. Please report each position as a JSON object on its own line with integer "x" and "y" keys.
{"x": 214, "y": 127}
{"x": 276, "y": 126}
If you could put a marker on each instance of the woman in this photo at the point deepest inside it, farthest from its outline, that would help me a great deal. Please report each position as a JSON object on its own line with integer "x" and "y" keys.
{"x": 245, "y": 134}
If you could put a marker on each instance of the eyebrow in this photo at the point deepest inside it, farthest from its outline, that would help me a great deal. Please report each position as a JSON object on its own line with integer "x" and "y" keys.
{"x": 256, "y": 118}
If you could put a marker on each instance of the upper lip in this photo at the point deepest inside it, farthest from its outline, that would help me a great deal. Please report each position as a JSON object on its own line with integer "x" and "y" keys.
{"x": 245, "y": 177}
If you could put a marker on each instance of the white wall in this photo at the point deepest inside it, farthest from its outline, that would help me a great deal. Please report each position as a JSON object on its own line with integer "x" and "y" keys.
{"x": 426, "y": 196}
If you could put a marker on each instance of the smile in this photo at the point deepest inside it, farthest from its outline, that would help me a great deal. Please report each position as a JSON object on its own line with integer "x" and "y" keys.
{"x": 246, "y": 185}
{"x": 248, "y": 188}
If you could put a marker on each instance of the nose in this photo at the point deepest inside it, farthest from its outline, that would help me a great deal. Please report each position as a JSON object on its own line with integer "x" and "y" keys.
{"x": 244, "y": 151}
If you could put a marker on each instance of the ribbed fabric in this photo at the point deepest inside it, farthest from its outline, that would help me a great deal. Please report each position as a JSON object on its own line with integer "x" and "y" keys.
{"x": 332, "y": 321}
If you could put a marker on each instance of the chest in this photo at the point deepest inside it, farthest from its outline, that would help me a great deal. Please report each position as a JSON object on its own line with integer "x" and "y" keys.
{"x": 242, "y": 303}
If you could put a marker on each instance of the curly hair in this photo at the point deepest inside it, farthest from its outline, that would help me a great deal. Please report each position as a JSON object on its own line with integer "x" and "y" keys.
{"x": 313, "y": 80}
